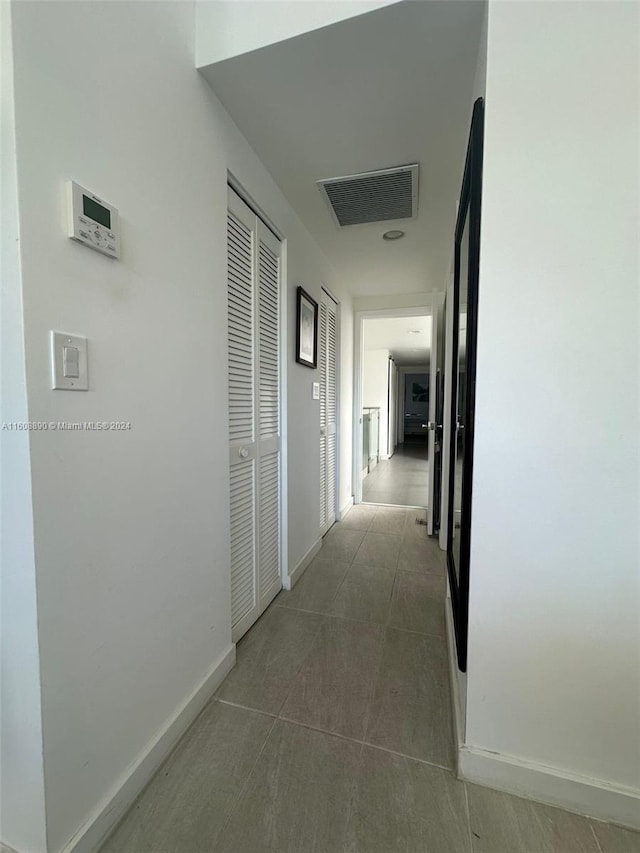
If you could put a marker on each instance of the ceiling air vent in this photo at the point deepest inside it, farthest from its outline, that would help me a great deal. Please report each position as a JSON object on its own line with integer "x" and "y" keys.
{"x": 372, "y": 196}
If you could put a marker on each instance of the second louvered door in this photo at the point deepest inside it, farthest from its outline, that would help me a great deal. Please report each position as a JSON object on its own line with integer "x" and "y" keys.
{"x": 327, "y": 357}
{"x": 253, "y": 290}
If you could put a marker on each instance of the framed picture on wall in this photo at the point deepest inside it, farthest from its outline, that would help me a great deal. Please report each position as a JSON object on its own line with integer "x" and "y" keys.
{"x": 306, "y": 330}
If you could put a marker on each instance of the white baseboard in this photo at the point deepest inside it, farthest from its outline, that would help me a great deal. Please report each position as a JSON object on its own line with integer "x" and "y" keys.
{"x": 591, "y": 797}
{"x": 345, "y": 509}
{"x": 109, "y": 812}
{"x": 292, "y": 579}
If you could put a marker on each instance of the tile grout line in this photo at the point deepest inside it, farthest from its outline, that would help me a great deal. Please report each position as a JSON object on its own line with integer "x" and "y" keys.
{"x": 597, "y": 840}
{"x": 385, "y": 624}
{"x": 299, "y": 670}
{"x": 247, "y": 708}
{"x": 409, "y": 757}
{"x": 320, "y": 730}
{"x": 354, "y": 788}
{"x": 366, "y": 744}
{"x": 236, "y": 803}
{"x": 468, "y": 810}
{"x": 376, "y": 679}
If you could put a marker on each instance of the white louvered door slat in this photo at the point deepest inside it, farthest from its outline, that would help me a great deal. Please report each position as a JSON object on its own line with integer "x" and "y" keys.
{"x": 253, "y": 290}
{"x": 328, "y": 325}
{"x": 322, "y": 364}
{"x": 242, "y": 485}
{"x": 243, "y": 587}
{"x": 269, "y": 550}
{"x": 332, "y": 410}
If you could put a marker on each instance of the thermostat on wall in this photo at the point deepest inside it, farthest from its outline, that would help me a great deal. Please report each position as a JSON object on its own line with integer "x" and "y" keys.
{"x": 93, "y": 222}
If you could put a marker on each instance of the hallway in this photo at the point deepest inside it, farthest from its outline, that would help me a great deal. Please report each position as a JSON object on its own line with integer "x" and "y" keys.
{"x": 333, "y": 733}
{"x": 403, "y": 479}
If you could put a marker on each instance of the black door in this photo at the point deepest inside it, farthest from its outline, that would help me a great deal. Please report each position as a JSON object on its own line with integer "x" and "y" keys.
{"x": 463, "y": 381}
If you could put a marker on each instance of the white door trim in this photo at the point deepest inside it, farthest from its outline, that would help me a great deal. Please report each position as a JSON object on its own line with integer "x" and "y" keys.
{"x": 358, "y": 359}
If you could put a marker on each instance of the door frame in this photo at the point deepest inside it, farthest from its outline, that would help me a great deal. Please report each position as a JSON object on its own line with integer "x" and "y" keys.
{"x": 358, "y": 363}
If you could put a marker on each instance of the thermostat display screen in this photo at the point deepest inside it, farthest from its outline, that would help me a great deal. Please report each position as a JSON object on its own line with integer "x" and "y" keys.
{"x": 96, "y": 211}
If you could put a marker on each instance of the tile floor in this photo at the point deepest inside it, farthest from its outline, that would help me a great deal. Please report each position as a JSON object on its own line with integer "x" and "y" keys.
{"x": 401, "y": 480}
{"x": 333, "y": 733}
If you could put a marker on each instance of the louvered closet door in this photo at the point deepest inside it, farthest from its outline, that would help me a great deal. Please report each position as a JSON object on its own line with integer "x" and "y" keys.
{"x": 253, "y": 288}
{"x": 268, "y": 341}
{"x": 327, "y": 348}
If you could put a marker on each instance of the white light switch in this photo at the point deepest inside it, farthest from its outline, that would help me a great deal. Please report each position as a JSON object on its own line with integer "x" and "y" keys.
{"x": 71, "y": 362}
{"x": 315, "y": 390}
{"x": 69, "y": 369}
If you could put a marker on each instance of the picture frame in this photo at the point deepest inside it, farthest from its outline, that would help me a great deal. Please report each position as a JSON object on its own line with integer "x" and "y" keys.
{"x": 306, "y": 329}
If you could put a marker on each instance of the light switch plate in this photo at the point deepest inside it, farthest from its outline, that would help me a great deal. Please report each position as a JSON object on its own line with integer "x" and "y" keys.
{"x": 60, "y": 341}
{"x": 315, "y": 390}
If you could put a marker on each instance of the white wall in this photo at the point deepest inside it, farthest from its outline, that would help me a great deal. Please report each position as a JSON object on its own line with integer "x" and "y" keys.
{"x": 22, "y": 812}
{"x": 226, "y": 29}
{"x": 131, "y": 528}
{"x": 393, "y": 301}
{"x": 375, "y": 390}
{"x": 554, "y": 633}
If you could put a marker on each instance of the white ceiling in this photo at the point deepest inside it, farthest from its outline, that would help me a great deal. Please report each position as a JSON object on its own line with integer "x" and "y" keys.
{"x": 387, "y": 88}
{"x": 408, "y": 339}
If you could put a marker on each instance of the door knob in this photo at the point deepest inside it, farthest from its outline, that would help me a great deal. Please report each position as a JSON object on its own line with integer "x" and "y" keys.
{"x": 243, "y": 452}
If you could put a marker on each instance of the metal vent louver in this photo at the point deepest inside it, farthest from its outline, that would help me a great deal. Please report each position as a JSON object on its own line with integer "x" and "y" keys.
{"x": 372, "y": 196}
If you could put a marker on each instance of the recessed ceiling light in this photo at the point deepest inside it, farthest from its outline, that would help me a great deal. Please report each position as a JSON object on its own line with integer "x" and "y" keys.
{"x": 392, "y": 235}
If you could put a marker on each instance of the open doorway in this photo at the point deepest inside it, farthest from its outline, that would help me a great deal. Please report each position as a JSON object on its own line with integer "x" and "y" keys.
{"x": 393, "y": 382}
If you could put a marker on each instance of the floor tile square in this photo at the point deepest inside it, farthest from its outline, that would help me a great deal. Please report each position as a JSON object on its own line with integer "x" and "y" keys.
{"x": 614, "y": 839}
{"x": 365, "y": 594}
{"x": 403, "y": 805}
{"x": 269, "y": 657}
{"x": 317, "y": 587}
{"x": 334, "y": 688}
{"x": 419, "y": 554}
{"x": 411, "y": 709}
{"x": 190, "y": 798}
{"x": 501, "y": 823}
{"x": 389, "y": 520}
{"x": 379, "y": 549}
{"x": 418, "y": 603}
{"x": 341, "y": 544}
{"x": 359, "y": 517}
{"x": 298, "y": 796}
